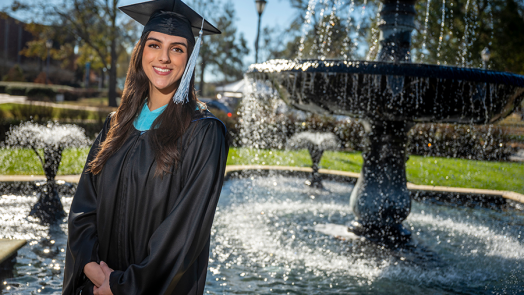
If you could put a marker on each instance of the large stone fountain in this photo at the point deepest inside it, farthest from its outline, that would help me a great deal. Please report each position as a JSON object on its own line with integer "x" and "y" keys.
{"x": 390, "y": 95}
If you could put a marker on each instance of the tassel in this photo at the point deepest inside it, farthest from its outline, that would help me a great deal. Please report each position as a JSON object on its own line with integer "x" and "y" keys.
{"x": 181, "y": 94}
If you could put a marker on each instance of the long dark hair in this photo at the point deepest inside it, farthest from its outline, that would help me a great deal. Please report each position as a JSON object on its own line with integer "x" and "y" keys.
{"x": 171, "y": 124}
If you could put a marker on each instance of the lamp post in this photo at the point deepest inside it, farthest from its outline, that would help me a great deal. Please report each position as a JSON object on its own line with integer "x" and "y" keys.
{"x": 261, "y": 4}
{"x": 485, "y": 55}
{"x": 48, "y": 45}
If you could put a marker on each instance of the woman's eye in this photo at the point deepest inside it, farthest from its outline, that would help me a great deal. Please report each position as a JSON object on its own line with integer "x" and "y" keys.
{"x": 177, "y": 49}
{"x": 153, "y": 45}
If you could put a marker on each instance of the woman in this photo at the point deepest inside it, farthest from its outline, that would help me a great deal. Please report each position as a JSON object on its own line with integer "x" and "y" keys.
{"x": 140, "y": 220}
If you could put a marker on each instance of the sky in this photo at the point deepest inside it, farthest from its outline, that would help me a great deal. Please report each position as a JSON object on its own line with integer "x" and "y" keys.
{"x": 277, "y": 13}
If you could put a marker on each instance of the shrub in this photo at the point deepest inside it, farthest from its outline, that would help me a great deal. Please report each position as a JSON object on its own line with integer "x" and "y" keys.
{"x": 477, "y": 142}
{"x": 83, "y": 115}
{"x": 72, "y": 114}
{"x": 15, "y": 74}
{"x": 36, "y": 112}
{"x": 41, "y": 78}
{"x": 41, "y": 93}
{"x": 16, "y": 90}
{"x": 101, "y": 115}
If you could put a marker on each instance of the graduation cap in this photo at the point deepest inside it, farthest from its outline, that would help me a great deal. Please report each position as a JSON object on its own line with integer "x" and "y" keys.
{"x": 142, "y": 12}
{"x": 175, "y": 18}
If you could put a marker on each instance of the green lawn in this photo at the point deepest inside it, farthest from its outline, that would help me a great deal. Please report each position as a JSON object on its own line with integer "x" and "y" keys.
{"x": 420, "y": 170}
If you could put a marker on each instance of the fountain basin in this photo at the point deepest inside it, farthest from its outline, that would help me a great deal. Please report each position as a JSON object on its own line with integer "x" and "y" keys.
{"x": 269, "y": 237}
{"x": 393, "y": 91}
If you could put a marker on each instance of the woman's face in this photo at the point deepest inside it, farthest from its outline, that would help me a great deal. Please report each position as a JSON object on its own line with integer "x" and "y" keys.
{"x": 164, "y": 60}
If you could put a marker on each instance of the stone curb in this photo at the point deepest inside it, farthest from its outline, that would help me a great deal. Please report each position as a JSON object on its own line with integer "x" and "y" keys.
{"x": 236, "y": 168}
{"x": 415, "y": 187}
{"x": 8, "y": 249}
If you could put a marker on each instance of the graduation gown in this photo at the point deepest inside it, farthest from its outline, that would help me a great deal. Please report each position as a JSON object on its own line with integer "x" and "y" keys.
{"x": 153, "y": 231}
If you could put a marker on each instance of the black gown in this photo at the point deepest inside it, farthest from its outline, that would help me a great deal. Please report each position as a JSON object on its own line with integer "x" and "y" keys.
{"x": 154, "y": 232}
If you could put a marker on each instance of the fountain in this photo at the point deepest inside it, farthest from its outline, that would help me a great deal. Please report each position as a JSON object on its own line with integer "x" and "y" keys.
{"x": 390, "y": 95}
{"x": 316, "y": 143}
{"x": 52, "y": 138}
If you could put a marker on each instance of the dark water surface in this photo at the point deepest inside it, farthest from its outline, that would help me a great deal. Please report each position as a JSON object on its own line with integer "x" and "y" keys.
{"x": 265, "y": 240}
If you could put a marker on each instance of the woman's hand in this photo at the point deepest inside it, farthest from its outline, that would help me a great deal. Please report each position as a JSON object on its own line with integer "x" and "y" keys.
{"x": 104, "y": 288}
{"x": 94, "y": 272}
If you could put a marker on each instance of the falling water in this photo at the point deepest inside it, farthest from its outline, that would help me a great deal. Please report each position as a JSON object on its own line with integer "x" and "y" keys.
{"x": 347, "y": 50}
{"x": 464, "y": 51}
{"x": 375, "y": 32}
{"x": 360, "y": 21}
{"x": 442, "y": 24}
{"x": 426, "y": 21}
{"x": 306, "y": 26}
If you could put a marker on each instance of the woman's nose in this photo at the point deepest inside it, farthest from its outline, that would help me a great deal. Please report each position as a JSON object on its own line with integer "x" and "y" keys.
{"x": 164, "y": 56}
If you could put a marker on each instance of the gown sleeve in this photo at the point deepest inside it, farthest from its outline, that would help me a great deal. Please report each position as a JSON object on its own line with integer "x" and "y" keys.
{"x": 182, "y": 236}
{"x": 82, "y": 243}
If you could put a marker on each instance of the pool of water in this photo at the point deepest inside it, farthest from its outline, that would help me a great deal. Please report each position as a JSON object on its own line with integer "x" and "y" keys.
{"x": 266, "y": 240}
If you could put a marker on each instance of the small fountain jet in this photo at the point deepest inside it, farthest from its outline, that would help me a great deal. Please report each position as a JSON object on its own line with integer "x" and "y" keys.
{"x": 316, "y": 143}
{"x": 52, "y": 138}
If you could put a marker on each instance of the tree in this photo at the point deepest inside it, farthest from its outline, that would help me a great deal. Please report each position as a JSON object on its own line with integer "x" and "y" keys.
{"x": 58, "y": 35}
{"x": 231, "y": 48}
{"x": 222, "y": 53}
{"x": 94, "y": 24}
{"x": 456, "y": 32}
{"x": 322, "y": 30}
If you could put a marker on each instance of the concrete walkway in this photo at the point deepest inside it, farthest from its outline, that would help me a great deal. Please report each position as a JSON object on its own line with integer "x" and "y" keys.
{"x": 237, "y": 168}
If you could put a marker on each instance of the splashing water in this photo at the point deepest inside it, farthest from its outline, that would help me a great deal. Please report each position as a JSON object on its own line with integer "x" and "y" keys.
{"x": 33, "y": 135}
{"x": 321, "y": 140}
{"x": 266, "y": 241}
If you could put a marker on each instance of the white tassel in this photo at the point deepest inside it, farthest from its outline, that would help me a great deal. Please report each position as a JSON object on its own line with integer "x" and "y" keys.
{"x": 181, "y": 94}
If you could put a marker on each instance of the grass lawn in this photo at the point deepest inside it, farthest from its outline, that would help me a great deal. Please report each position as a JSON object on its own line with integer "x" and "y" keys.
{"x": 420, "y": 170}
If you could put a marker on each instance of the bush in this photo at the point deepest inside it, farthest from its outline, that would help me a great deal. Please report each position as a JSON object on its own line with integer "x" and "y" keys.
{"x": 101, "y": 116}
{"x": 16, "y": 90}
{"x": 476, "y": 142}
{"x": 76, "y": 94}
{"x": 41, "y": 78}
{"x": 30, "y": 111}
{"x": 73, "y": 114}
{"x": 41, "y": 93}
{"x": 15, "y": 74}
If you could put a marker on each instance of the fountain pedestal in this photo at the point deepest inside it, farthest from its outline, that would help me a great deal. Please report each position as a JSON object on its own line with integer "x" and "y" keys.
{"x": 380, "y": 200}
{"x": 316, "y": 154}
{"x": 49, "y": 208}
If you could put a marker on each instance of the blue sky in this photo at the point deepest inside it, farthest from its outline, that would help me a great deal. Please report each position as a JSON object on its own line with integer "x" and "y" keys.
{"x": 277, "y": 13}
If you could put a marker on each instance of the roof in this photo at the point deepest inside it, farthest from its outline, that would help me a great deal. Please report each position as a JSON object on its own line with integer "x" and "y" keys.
{"x": 237, "y": 86}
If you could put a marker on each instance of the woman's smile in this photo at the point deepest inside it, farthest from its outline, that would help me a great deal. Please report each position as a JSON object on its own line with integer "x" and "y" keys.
{"x": 162, "y": 71}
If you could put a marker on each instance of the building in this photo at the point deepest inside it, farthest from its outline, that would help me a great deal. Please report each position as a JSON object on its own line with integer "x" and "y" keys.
{"x": 13, "y": 38}
{"x": 12, "y": 41}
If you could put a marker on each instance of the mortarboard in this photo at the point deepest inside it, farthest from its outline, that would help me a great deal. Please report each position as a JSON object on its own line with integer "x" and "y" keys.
{"x": 173, "y": 17}
{"x": 142, "y": 12}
